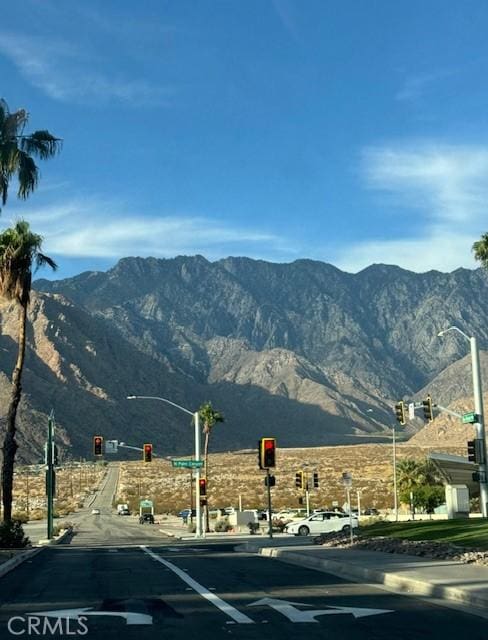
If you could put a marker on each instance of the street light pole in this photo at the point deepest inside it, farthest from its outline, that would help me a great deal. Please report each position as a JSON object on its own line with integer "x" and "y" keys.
{"x": 395, "y": 492}
{"x": 196, "y": 420}
{"x": 478, "y": 409}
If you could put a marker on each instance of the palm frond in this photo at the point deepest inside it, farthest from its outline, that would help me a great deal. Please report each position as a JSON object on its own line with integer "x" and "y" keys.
{"x": 28, "y": 175}
{"x": 41, "y": 144}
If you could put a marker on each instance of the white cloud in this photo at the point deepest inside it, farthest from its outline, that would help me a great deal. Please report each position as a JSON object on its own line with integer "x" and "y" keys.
{"x": 448, "y": 183}
{"x": 103, "y": 229}
{"x": 440, "y": 250}
{"x": 442, "y": 193}
{"x": 67, "y": 72}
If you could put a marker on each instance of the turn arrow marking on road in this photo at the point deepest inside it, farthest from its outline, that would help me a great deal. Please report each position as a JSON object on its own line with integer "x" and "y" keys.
{"x": 130, "y": 616}
{"x": 293, "y": 614}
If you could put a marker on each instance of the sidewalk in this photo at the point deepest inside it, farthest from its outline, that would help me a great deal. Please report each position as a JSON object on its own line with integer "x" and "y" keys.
{"x": 174, "y": 527}
{"x": 465, "y": 584}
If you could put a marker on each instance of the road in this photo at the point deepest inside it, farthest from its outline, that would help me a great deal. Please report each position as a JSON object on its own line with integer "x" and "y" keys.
{"x": 181, "y": 590}
{"x": 119, "y": 579}
{"x": 106, "y": 528}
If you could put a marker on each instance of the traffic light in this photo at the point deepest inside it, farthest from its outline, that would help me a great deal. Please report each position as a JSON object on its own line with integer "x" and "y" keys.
{"x": 299, "y": 480}
{"x": 203, "y": 486}
{"x": 400, "y": 412}
{"x": 475, "y": 451}
{"x": 315, "y": 480}
{"x": 147, "y": 451}
{"x": 428, "y": 410}
{"x": 97, "y": 445}
{"x": 267, "y": 451}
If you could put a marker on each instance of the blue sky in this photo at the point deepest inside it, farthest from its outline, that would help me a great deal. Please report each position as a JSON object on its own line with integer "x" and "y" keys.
{"x": 349, "y": 132}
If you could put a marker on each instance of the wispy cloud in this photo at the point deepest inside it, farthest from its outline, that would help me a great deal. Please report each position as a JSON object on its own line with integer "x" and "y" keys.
{"x": 445, "y": 187}
{"x": 417, "y": 85}
{"x": 102, "y": 229}
{"x": 66, "y": 72}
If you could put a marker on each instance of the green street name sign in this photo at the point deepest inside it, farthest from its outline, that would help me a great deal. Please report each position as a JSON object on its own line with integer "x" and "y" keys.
{"x": 469, "y": 418}
{"x": 187, "y": 464}
{"x": 146, "y": 503}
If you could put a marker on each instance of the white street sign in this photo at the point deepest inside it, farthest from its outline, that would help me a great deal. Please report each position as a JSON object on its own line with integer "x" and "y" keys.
{"x": 411, "y": 410}
{"x": 111, "y": 446}
{"x": 289, "y": 610}
{"x": 130, "y": 616}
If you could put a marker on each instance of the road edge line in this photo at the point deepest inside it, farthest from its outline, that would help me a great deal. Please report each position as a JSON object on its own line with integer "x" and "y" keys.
{"x": 7, "y": 566}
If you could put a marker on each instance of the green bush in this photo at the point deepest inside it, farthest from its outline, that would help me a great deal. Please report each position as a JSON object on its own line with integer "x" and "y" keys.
{"x": 12, "y": 535}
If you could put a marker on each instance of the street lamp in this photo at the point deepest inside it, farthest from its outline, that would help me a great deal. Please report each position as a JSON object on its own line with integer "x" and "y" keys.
{"x": 194, "y": 414}
{"x": 478, "y": 409}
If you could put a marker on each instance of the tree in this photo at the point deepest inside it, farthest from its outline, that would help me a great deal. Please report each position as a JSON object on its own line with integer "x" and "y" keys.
{"x": 209, "y": 417}
{"x": 17, "y": 151}
{"x": 417, "y": 477}
{"x": 480, "y": 249}
{"x": 20, "y": 253}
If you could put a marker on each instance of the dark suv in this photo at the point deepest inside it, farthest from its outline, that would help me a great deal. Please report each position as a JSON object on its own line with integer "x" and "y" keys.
{"x": 146, "y": 517}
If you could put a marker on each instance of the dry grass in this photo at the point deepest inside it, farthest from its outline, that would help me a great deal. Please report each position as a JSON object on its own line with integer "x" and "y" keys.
{"x": 235, "y": 474}
{"x": 73, "y": 484}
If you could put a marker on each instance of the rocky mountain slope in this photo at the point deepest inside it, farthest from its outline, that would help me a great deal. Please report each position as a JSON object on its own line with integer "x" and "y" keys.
{"x": 302, "y": 351}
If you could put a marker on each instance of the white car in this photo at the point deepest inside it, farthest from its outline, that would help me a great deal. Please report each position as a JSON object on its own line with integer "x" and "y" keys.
{"x": 323, "y": 522}
{"x": 95, "y": 512}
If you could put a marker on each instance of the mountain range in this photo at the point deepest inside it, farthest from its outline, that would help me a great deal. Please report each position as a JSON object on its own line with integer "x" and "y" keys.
{"x": 302, "y": 351}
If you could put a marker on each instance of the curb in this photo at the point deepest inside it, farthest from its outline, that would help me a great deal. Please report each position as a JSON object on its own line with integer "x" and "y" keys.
{"x": 168, "y": 533}
{"x": 400, "y": 583}
{"x": 56, "y": 539}
{"x": 5, "y": 567}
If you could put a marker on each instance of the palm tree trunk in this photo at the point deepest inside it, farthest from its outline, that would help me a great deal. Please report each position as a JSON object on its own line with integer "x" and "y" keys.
{"x": 205, "y": 454}
{"x": 10, "y": 446}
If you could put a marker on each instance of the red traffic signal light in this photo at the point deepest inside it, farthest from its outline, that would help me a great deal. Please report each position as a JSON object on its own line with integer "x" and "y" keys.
{"x": 147, "y": 449}
{"x": 203, "y": 486}
{"x": 267, "y": 453}
{"x": 97, "y": 445}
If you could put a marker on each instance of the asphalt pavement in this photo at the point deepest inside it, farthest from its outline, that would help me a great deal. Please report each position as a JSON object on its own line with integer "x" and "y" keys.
{"x": 181, "y": 590}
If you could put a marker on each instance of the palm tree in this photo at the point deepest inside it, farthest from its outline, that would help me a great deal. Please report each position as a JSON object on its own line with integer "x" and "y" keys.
{"x": 480, "y": 249}
{"x": 17, "y": 151}
{"x": 20, "y": 252}
{"x": 209, "y": 418}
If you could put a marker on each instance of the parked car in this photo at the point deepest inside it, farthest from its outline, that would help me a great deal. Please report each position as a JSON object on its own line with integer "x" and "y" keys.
{"x": 146, "y": 517}
{"x": 95, "y": 512}
{"x": 371, "y": 512}
{"x": 185, "y": 514}
{"x": 324, "y": 522}
{"x": 123, "y": 512}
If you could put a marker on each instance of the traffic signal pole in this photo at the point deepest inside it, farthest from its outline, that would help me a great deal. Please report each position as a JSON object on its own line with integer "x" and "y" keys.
{"x": 270, "y": 513}
{"x": 50, "y": 477}
{"x": 480, "y": 424}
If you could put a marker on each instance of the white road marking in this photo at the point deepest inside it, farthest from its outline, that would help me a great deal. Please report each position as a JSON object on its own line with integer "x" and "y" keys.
{"x": 130, "y": 616}
{"x": 225, "y": 607}
{"x": 293, "y": 614}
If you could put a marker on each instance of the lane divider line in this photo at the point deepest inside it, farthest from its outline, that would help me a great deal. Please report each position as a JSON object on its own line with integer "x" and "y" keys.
{"x": 225, "y": 607}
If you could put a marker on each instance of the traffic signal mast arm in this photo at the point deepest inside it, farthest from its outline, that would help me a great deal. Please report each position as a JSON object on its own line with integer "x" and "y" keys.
{"x": 419, "y": 405}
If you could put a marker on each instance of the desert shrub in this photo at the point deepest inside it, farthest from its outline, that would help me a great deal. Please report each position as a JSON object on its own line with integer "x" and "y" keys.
{"x": 223, "y": 525}
{"x": 12, "y": 535}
